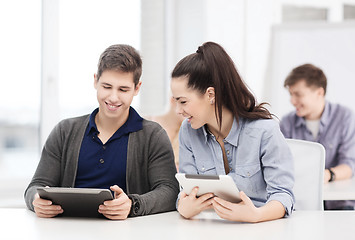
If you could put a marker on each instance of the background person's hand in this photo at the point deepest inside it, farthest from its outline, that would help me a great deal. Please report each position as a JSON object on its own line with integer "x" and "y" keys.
{"x": 45, "y": 208}
{"x": 190, "y": 205}
{"x": 119, "y": 207}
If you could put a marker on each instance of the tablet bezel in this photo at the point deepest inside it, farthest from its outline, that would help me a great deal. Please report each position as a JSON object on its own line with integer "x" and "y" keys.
{"x": 76, "y": 202}
{"x": 222, "y": 186}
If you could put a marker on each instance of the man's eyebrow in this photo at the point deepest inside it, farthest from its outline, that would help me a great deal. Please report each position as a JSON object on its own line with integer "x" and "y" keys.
{"x": 126, "y": 87}
{"x": 108, "y": 84}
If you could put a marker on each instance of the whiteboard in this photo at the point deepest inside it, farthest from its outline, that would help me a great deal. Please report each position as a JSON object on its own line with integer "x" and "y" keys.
{"x": 330, "y": 46}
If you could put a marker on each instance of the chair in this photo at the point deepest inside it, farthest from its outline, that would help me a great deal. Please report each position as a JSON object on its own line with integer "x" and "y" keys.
{"x": 309, "y": 160}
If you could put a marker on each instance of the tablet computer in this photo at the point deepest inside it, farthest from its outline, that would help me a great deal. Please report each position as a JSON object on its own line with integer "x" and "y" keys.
{"x": 76, "y": 202}
{"x": 222, "y": 186}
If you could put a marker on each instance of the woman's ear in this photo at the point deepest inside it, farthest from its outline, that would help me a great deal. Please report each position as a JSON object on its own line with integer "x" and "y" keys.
{"x": 210, "y": 93}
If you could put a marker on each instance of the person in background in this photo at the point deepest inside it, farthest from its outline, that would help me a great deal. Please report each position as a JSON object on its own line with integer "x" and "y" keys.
{"x": 318, "y": 120}
{"x": 227, "y": 132}
{"x": 111, "y": 148}
{"x": 171, "y": 122}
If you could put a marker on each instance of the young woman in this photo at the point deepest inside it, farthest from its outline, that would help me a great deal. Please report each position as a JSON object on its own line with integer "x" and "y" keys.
{"x": 227, "y": 132}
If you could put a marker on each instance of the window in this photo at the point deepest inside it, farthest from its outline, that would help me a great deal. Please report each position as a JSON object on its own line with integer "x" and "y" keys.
{"x": 298, "y": 14}
{"x": 19, "y": 97}
{"x": 86, "y": 29}
{"x": 349, "y": 12}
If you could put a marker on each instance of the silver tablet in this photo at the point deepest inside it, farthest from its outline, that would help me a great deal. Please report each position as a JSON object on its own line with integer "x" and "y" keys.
{"x": 78, "y": 202}
{"x": 222, "y": 186}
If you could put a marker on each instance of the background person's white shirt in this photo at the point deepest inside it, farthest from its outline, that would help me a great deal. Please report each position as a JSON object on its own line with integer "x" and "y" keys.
{"x": 313, "y": 126}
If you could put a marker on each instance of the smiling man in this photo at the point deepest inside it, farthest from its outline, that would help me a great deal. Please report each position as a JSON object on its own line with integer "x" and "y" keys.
{"x": 112, "y": 148}
{"x": 318, "y": 120}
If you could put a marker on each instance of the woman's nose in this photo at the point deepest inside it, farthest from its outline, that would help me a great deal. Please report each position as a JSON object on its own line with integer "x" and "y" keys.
{"x": 178, "y": 109}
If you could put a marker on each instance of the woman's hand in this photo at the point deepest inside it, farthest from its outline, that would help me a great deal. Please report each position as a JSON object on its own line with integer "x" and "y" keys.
{"x": 45, "y": 208}
{"x": 244, "y": 211}
{"x": 119, "y": 207}
{"x": 190, "y": 205}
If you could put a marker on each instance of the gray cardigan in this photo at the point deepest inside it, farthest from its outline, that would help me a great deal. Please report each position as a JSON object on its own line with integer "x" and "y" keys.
{"x": 150, "y": 174}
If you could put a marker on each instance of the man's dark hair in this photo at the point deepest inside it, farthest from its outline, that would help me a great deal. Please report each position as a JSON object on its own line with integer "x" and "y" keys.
{"x": 312, "y": 75}
{"x": 121, "y": 58}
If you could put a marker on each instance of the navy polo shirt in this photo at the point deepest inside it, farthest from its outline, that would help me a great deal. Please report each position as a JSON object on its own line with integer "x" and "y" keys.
{"x": 103, "y": 165}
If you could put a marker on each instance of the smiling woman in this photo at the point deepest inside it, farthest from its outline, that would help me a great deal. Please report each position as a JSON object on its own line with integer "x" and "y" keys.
{"x": 229, "y": 133}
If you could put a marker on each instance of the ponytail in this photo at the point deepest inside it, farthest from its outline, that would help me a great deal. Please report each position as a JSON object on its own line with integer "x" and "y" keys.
{"x": 211, "y": 66}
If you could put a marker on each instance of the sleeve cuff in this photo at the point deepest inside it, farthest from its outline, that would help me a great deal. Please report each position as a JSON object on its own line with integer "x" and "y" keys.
{"x": 135, "y": 207}
{"x": 285, "y": 200}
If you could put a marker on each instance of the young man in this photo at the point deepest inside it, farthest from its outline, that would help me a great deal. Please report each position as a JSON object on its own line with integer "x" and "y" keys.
{"x": 318, "y": 120}
{"x": 111, "y": 148}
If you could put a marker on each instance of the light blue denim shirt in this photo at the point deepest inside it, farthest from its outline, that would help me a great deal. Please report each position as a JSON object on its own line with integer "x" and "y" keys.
{"x": 336, "y": 134}
{"x": 259, "y": 159}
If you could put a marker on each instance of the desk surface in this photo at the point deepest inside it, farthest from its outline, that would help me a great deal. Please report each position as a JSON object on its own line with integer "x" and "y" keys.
{"x": 24, "y": 224}
{"x": 339, "y": 190}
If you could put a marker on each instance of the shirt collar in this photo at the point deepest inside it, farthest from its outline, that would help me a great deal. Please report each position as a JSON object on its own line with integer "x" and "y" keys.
{"x": 233, "y": 136}
{"x": 300, "y": 121}
{"x": 134, "y": 123}
{"x": 92, "y": 128}
{"x": 326, "y": 114}
{"x": 206, "y": 132}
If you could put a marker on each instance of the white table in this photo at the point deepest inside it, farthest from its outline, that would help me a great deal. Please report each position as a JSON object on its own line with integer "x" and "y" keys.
{"x": 24, "y": 224}
{"x": 340, "y": 190}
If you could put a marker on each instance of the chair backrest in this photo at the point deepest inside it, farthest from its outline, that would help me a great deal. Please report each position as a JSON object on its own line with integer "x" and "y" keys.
{"x": 309, "y": 160}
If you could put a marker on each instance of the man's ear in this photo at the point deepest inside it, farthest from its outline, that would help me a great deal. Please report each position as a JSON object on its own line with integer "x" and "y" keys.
{"x": 210, "y": 94}
{"x": 137, "y": 88}
{"x": 95, "y": 81}
{"x": 321, "y": 91}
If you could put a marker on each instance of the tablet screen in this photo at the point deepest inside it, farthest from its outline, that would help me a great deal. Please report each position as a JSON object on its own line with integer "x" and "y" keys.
{"x": 77, "y": 202}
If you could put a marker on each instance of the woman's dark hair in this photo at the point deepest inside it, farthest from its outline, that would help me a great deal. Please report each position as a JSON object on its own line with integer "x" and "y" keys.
{"x": 211, "y": 66}
{"x": 121, "y": 58}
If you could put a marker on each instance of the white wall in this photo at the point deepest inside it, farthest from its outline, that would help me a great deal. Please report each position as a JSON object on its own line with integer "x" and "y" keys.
{"x": 330, "y": 46}
{"x": 153, "y": 91}
{"x": 188, "y": 24}
{"x": 242, "y": 27}
{"x": 50, "y": 67}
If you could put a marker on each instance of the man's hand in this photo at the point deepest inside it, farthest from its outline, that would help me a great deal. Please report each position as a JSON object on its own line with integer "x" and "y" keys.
{"x": 44, "y": 208}
{"x": 119, "y": 207}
